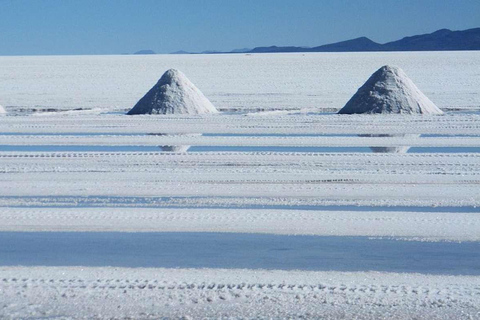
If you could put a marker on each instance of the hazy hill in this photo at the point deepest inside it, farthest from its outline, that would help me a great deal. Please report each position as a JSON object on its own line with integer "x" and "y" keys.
{"x": 440, "y": 40}
{"x": 147, "y": 51}
{"x": 443, "y": 39}
{"x": 358, "y": 44}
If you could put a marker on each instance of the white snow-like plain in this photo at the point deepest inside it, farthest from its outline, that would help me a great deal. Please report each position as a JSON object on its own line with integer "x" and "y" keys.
{"x": 312, "y": 82}
{"x": 273, "y": 173}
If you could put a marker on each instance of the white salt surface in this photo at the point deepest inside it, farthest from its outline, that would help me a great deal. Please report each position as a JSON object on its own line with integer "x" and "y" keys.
{"x": 415, "y": 225}
{"x": 226, "y": 124}
{"x": 116, "y": 192}
{"x": 310, "y": 81}
{"x": 106, "y": 293}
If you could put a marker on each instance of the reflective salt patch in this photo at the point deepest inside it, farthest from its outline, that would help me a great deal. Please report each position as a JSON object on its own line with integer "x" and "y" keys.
{"x": 244, "y": 251}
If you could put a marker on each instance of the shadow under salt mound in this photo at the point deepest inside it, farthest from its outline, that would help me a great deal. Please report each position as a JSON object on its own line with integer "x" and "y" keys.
{"x": 176, "y": 149}
{"x": 400, "y": 149}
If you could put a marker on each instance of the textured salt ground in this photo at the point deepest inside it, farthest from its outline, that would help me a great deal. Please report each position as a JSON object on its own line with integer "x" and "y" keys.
{"x": 99, "y": 293}
{"x": 249, "y": 251}
{"x": 431, "y": 226}
{"x": 257, "y": 169}
{"x": 235, "y": 82}
{"x": 434, "y": 194}
{"x": 197, "y": 149}
{"x": 150, "y": 140}
{"x": 241, "y": 162}
{"x": 249, "y": 203}
{"x": 313, "y": 124}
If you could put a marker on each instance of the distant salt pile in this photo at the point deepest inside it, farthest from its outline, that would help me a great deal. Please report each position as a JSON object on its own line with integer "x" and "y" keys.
{"x": 389, "y": 90}
{"x": 173, "y": 94}
{"x": 2, "y": 110}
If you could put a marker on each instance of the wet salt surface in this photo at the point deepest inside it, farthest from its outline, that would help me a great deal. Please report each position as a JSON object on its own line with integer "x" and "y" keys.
{"x": 249, "y": 251}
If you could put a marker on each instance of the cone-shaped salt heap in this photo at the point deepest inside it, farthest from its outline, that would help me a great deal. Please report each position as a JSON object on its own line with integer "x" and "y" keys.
{"x": 2, "y": 110}
{"x": 390, "y": 90}
{"x": 173, "y": 94}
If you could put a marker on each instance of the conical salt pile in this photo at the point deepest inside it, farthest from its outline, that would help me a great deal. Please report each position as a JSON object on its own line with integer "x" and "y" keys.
{"x": 390, "y": 90}
{"x": 173, "y": 94}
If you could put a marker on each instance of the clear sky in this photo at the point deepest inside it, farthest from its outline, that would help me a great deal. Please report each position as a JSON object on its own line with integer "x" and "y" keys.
{"x": 29, "y": 27}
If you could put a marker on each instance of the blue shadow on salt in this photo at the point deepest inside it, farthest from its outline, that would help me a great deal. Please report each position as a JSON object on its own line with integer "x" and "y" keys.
{"x": 249, "y": 251}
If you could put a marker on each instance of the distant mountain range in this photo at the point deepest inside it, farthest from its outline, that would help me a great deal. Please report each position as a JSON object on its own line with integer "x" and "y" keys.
{"x": 146, "y": 51}
{"x": 441, "y": 40}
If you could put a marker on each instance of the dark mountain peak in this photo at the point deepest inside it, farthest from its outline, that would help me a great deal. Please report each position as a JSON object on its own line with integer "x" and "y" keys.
{"x": 278, "y": 49}
{"x": 362, "y": 39}
{"x": 357, "y": 44}
{"x": 439, "y": 40}
{"x": 442, "y": 32}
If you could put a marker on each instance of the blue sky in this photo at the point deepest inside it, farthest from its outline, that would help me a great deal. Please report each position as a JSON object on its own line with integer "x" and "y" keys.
{"x": 124, "y": 26}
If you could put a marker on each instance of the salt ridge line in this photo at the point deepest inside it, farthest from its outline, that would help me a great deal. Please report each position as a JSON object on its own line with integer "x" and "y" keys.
{"x": 217, "y": 176}
{"x": 214, "y": 159}
{"x": 127, "y": 187}
{"x": 240, "y": 293}
{"x": 259, "y": 156}
{"x": 425, "y": 226}
{"x": 314, "y": 124}
{"x": 46, "y": 119}
{"x": 276, "y": 174}
{"x": 435, "y": 164}
{"x": 240, "y": 162}
{"x": 312, "y": 118}
{"x": 152, "y": 140}
{"x": 304, "y": 129}
{"x": 229, "y": 202}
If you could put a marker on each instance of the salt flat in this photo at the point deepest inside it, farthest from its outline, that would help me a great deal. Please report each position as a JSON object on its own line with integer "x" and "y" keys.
{"x": 82, "y": 293}
{"x": 425, "y": 226}
{"x": 90, "y": 198}
{"x": 311, "y": 81}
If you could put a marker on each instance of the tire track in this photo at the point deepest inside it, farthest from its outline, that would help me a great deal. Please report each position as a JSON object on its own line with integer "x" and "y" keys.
{"x": 427, "y": 225}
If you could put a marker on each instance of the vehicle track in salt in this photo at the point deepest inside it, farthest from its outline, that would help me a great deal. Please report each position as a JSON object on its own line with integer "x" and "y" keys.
{"x": 243, "y": 293}
{"x": 232, "y": 124}
{"x": 152, "y": 140}
{"x": 416, "y": 225}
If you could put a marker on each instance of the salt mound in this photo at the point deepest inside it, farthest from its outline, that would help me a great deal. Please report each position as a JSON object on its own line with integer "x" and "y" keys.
{"x": 173, "y": 94}
{"x": 2, "y": 110}
{"x": 390, "y": 90}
